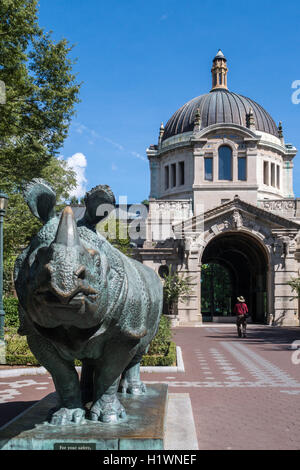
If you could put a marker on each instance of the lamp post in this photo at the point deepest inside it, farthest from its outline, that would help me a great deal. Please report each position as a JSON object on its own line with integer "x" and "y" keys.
{"x": 3, "y": 207}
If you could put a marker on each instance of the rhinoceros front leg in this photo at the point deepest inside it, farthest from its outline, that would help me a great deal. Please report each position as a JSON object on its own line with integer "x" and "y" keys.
{"x": 69, "y": 408}
{"x": 106, "y": 406}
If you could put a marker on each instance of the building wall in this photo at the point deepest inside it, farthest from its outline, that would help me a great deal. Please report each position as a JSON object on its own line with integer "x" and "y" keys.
{"x": 269, "y": 185}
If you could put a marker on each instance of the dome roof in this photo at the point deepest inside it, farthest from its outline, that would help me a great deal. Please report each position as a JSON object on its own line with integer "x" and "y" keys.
{"x": 219, "y": 106}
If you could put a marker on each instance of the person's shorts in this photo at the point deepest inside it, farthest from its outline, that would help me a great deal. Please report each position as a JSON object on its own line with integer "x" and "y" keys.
{"x": 241, "y": 319}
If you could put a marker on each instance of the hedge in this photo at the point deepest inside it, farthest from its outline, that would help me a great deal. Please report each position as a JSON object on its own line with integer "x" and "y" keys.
{"x": 169, "y": 359}
{"x": 162, "y": 351}
{"x": 10, "y": 305}
{"x": 29, "y": 360}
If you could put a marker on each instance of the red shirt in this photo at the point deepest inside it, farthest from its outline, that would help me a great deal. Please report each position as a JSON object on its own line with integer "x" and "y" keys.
{"x": 240, "y": 309}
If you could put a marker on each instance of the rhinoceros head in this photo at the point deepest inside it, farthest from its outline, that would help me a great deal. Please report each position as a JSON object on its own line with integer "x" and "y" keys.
{"x": 64, "y": 277}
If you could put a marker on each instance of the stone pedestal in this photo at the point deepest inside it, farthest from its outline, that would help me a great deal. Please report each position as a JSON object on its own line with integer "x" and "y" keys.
{"x": 143, "y": 429}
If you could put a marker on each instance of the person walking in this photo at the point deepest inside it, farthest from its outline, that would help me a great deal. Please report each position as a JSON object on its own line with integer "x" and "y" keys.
{"x": 241, "y": 311}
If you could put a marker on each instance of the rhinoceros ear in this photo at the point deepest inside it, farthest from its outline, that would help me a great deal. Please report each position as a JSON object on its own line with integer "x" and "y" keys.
{"x": 99, "y": 196}
{"x": 41, "y": 199}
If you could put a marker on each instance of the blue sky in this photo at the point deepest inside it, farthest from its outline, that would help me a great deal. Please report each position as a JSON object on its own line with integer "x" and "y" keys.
{"x": 140, "y": 61}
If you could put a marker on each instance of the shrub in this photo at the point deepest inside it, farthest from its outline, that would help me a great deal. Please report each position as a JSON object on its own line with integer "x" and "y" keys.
{"x": 169, "y": 359}
{"x": 17, "y": 350}
{"x": 162, "y": 351}
{"x": 11, "y": 311}
{"x": 160, "y": 343}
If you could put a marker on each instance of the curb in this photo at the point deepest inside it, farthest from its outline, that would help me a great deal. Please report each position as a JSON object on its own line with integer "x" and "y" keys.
{"x": 149, "y": 369}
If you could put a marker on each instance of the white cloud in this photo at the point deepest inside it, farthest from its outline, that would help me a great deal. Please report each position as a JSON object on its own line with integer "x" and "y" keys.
{"x": 93, "y": 135}
{"x": 138, "y": 155}
{"x": 163, "y": 17}
{"x": 78, "y": 163}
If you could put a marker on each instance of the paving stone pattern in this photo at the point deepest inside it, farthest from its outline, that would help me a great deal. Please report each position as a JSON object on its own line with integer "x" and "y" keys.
{"x": 245, "y": 393}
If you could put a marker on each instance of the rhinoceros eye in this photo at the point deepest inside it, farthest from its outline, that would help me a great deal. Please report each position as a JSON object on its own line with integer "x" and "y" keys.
{"x": 97, "y": 262}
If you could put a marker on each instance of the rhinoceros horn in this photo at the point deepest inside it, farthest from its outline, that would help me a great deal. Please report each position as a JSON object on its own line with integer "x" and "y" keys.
{"x": 67, "y": 233}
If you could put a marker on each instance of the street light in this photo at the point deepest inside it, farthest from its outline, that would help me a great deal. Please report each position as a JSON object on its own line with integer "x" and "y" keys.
{"x": 3, "y": 207}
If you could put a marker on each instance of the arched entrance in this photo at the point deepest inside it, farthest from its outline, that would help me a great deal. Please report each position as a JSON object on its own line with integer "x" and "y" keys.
{"x": 244, "y": 259}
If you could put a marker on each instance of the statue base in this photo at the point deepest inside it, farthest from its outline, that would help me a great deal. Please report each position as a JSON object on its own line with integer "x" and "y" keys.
{"x": 143, "y": 429}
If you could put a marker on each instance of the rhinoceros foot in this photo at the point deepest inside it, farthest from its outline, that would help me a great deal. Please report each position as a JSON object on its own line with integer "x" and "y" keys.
{"x": 107, "y": 410}
{"x": 133, "y": 388}
{"x": 65, "y": 416}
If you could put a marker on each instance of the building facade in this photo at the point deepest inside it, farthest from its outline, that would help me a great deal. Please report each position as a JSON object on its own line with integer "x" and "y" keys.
{"x": 222, "y": 205}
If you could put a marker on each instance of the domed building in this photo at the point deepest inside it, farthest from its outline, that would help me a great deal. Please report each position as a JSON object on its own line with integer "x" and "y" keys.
{"x": 222, "y": 209}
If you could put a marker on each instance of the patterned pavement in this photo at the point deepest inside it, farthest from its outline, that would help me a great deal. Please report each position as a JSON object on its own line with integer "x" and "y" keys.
{"x": 245, "y": 393}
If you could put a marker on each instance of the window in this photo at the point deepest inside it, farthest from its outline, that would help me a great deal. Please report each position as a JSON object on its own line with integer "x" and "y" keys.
{"x": 167, "y": 177}
{"x": 173, "y": 174}
{"x": 225, "y": 163}
{"x": 278, "y": 176}
{"x": 266, "y": 173}
{"x": 181, "y": 172}
{"x": 242, "y": 168}
{"x": 208, "y": 169}
{"x": 273, "y": 174}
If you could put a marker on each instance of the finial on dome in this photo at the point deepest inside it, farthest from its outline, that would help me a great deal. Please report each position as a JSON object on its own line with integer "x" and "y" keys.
{"x": 220, "y": 55}
{"x": 250, "y": 120}
{"x": 161, "y": 134}
{"x": 280, "y": 132}
{"x": 219, "y": 71}
{"x": 197, "y": 121}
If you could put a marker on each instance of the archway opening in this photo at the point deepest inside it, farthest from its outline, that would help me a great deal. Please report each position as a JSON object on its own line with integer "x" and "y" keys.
{"x": 234, "y": 264}
{"x": 216, "y": 290}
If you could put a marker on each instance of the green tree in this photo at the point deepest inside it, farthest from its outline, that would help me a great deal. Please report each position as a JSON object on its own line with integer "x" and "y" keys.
{"x": 41, "y": 92}
{"x": 176, "y": 287}
{"x": 116, "y": 233}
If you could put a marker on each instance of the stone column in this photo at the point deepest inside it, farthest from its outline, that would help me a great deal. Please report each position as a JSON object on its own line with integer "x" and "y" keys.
{"x": 284, "y": 269}
{"x": 190, "y": 312}
{"x": 155, "y": 178}
{"x": 198, "y": 176}
{"x": 287, "y": 178}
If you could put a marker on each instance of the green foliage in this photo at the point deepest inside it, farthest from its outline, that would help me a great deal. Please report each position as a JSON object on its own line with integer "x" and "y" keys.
{"x": 176, "y": 287}
{"x": 41, "y": 92}
{"x": 216, "y": 289}
{"x": 160, "y": 343}
{"x": 116, "y": 233}
{"x": 10, "y": 305}
{"x": 169, "y": 359}
{"x": 295, "y": 285}
{"x": 17, "y": 350}
{"x": 8, "y": 280}
{"x": 162, "y": 351}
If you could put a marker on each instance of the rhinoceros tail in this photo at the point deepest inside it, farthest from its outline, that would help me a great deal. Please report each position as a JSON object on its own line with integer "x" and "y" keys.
{"x": 41, "y": 199}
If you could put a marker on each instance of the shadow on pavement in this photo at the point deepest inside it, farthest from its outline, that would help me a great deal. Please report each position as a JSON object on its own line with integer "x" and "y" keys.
{"x": 10, "y": 410}
{"x": 281, "y": 338}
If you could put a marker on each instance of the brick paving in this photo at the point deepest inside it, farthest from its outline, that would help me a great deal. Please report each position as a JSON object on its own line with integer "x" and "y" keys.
{"x": 245, "y": 393}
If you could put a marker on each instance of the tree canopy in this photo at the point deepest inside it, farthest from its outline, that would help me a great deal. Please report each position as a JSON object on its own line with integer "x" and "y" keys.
{"x": 41, "y": 92}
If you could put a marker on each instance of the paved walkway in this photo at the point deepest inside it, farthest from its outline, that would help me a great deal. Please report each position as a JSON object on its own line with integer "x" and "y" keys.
{"x": 245, "y": 393}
